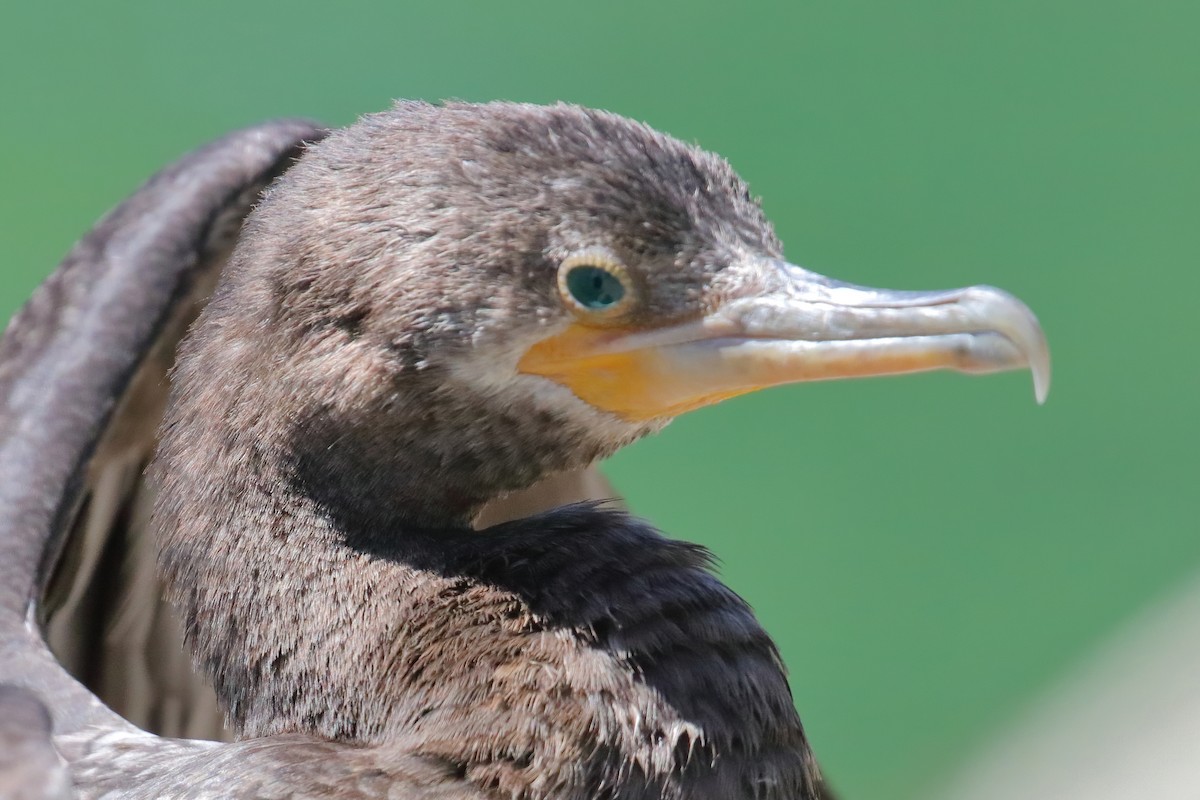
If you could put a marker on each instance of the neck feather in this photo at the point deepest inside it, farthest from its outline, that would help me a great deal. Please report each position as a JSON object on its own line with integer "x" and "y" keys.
{"x": 320, "y": 552}
{"x": 564, "y": 651}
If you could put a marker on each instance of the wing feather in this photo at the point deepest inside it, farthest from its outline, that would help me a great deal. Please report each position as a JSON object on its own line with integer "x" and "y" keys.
{"x": 73, "y": 436}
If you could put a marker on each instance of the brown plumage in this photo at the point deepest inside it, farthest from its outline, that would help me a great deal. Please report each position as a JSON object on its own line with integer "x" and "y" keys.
{"x": 325, "y": 453}
{"x": 384, "y": 358}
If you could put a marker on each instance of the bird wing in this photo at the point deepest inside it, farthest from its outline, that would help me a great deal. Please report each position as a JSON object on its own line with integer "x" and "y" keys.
{"x": 82, "y": 374}
{"x": 29, "y": 766}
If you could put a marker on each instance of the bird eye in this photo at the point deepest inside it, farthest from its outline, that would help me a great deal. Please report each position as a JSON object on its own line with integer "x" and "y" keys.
{"x": 594, "y": 287}
{"x": 594, "y": 284}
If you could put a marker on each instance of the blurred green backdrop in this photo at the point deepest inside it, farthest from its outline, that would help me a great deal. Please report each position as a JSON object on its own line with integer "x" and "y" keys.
{"x": 930, "y": 552}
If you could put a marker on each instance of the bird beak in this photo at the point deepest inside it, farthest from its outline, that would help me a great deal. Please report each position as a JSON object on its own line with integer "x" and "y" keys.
{"x": 802, "y": 327}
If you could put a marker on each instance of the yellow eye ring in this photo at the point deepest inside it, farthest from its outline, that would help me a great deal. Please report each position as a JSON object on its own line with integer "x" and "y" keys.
{"x": 595, "y": 285}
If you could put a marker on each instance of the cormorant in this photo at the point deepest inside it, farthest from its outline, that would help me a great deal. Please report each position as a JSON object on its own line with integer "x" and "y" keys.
{"x": 432, "y": 308}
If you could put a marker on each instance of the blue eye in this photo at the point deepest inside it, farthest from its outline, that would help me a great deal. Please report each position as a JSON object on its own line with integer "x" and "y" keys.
{"x": 595, "y": 288}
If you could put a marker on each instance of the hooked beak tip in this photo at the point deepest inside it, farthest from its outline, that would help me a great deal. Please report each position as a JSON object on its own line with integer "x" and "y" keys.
{"x": 1041, "y": 381}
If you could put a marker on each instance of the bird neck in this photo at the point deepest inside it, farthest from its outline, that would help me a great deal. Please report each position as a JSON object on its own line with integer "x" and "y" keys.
{"x": 546, "y": 656}
{"x": 319, "y": 549}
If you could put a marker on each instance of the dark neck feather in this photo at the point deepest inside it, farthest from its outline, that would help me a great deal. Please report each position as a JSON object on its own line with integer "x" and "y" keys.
{"x": 323, "y": 594}
{"x": 577, "y": 647}
{"x": 567, "y": 651}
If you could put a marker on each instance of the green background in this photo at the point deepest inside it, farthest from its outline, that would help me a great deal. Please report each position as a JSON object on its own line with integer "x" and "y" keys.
{"x": 930, "y": 552}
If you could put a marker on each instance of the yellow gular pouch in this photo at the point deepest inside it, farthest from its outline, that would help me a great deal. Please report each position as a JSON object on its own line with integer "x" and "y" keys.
{"x": 636, "y": 384}
{"x": 605, "y": 358}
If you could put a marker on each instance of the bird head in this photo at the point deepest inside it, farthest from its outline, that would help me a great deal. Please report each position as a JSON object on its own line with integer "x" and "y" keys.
{"x": 504, "y": 290}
